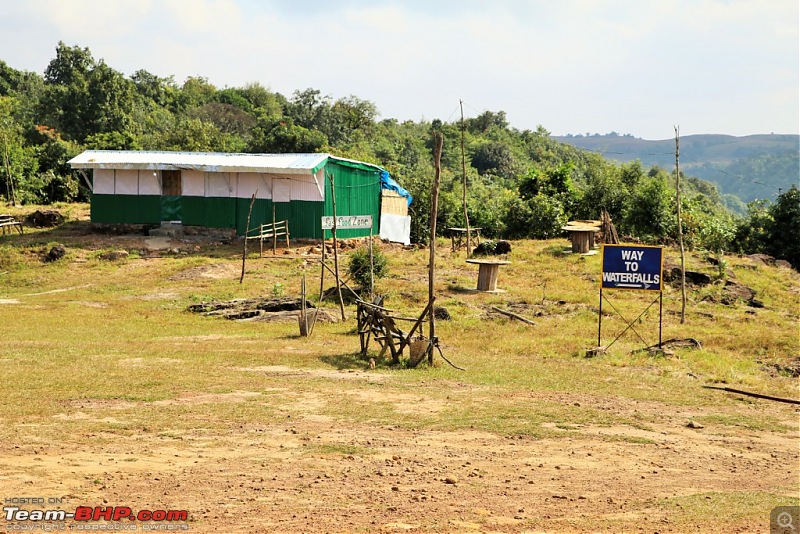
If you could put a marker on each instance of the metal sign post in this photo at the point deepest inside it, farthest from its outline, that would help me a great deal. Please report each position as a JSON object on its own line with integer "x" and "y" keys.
{"x": 632, "y": 267}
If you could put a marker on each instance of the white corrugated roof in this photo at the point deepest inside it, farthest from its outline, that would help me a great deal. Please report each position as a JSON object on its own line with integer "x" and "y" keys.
{"x": 201, "y": 161}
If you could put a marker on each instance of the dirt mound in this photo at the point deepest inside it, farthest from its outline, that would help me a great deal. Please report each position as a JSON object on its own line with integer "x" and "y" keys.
{"x": 45, "y": 219}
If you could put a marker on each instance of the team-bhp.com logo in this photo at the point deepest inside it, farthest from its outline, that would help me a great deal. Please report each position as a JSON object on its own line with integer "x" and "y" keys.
{"x": 87, "y": 516}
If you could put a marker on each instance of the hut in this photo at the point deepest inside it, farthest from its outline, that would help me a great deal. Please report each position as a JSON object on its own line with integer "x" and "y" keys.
{"x": 215, "y": 189}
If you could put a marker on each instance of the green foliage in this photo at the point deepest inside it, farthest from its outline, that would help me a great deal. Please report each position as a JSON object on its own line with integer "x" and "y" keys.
{"x": 360, "y": 265}
{"x": 783, "y": 241}
{"x": 277, "y": 290}
{"x": 494, "y": 158}
{"x": 282, "y": 136}
{"x": 752, "y": 232}
{"x": 749, "y": 167}
{"x": 650, "y": 211}
{"x": 540, "y": 217}
{"x": 772, "y": 229}
{"x": 520, "y": 183}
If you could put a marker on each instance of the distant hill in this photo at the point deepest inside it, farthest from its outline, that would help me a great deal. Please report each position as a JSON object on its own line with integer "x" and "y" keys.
{"x": 750, "y": 167}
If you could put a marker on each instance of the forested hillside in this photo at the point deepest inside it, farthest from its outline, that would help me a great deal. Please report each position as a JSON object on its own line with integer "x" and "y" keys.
{"x": 520, "y": 183}
{"x": 751, "y": 167}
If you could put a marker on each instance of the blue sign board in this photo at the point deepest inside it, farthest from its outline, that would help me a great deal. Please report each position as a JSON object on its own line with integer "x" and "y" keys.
{"x": 632, "y": 267}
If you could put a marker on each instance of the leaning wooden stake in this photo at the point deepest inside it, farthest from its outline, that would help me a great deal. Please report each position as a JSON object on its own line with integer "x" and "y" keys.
{"x": 303, "y": 315}
{"x": 246, "y": 231}
{"x": 437, "y": 165}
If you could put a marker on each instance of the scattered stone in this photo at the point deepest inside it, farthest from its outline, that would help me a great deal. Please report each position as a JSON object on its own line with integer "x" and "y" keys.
{"x": 441, "y": 313}
{"x": 451, "y": 480}
{"x": 694, "y": 424}
{"x": 596, "y": 351}
{"x": 673, "y": 276}
{"x": 733, "y": 293}
{"x": 791, "y": 368}
{"x": 56, "y": 253}
{"x": 762, "y": 259}
{"x": 114, "y": 255}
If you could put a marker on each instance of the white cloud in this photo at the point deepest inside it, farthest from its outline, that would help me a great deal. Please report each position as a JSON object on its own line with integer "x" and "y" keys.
{"x": 633, "y": 66}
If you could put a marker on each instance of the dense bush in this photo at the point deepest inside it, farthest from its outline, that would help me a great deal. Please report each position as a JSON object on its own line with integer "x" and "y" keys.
{"x": 359, "y": 266}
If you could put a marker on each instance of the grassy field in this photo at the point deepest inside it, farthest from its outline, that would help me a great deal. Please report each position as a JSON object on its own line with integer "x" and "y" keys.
{"x": 114, "y": 393}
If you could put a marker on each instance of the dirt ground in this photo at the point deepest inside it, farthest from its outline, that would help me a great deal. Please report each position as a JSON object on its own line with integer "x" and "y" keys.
{"x": 311, "y": 472}
{"x": 299, "y": 476}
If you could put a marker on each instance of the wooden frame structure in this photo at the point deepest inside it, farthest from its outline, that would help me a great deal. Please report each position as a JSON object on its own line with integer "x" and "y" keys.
{"x": 377, "y": 322}
{"x": 271, "y": 231}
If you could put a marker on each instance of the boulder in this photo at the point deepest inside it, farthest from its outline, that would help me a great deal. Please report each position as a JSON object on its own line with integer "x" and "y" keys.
{"x": 56, "y": 253}
{"x": 114, "y": 255}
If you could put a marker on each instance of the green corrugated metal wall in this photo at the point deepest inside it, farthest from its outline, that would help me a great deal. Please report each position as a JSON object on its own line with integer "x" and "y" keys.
{"x": 126, "y": 209}
{"x": 211, "y": 212}
{"x": 303, "y": 216}
{"x": 357, "y": 193}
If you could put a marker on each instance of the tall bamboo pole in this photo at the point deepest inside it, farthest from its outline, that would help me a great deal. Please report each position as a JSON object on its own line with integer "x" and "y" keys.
{"x": 464, "y": 174}
{"x": 437, "y": 164}
{"x": 247, "y": 231}
{"x": 336, "y": 248}
{"x": 680, "y": 224}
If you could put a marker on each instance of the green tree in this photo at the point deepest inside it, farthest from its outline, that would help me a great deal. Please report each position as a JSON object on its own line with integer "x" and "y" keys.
{"x": 752, "y": 231}
{"x": 195, "y": 92}
{"x": 783, "y": 231}
{"x": 539, "y": 217}
{"x": 110, "y": 99}
{"x": 66, "y": 97}
{"x": 650, "y": 211}
{"x": 494, "y": 158}
{"x": 283, "y": 137}
{"x": 154, "y": 90}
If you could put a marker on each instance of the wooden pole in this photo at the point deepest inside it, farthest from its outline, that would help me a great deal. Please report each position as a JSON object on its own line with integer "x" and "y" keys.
{"x": 321, "y": 287}
{"x": 274, "y": 232}
{"x": 464, "y": 173}
{"x": 371, "y": 269}
{"x": 512, "y": 315}
{"x": 756, "y": 395}
{"x": 437, "y": 165}
{"x": 336, "y": 248}
{"x": 247, "y": 231}
{"x": 303, "y": 315}
{"x": 680, "y": 225}
{"x": 322, "y": 269}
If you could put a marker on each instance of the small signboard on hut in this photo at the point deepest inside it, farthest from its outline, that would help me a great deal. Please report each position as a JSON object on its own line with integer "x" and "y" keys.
{"x": 347, "y": 222}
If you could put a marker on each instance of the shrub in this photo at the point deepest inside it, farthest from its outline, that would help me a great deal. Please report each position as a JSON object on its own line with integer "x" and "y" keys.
{"x": 359, "y": 265}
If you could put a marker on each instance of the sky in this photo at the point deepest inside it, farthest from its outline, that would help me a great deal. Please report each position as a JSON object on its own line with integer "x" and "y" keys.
{"x": 638, "y": 67}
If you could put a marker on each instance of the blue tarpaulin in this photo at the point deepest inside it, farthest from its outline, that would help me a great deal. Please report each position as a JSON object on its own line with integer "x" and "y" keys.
{"x": 387, "y": 182}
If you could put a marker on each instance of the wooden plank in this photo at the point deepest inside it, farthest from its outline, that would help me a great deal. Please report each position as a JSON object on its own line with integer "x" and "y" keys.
{"x": 512, "y": 315}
